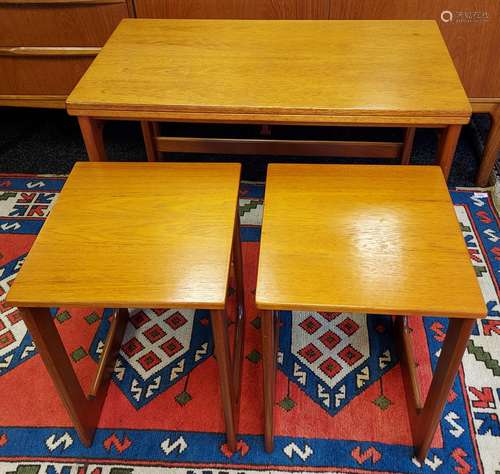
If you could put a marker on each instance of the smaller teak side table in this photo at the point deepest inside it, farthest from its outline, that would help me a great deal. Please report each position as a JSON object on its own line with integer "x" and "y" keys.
{"x": 369, "y": 239}
{"x": 135, "y": 235}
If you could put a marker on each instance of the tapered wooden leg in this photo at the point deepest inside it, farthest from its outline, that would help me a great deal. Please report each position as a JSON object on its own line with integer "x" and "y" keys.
{"x": 448, "y": 364}
{"x": 408, "y": 145}
{"x": 150, "y": 130}
{"x": 109, "y": 352}
{"x": 491, "y": 149}
{"x": 408, "y": 365}
{"x": 269, "y": 367}
{"x": 239, "y": 333}
{"x": 446, "y": 149}
{"x": 92, "y": 136}
{"x": 83, "y": 413}
{"x": 223, "y": 355}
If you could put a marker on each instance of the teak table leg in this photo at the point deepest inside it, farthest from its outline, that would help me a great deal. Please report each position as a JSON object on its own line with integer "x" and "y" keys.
{"x": 92, "y": 136}
{"x": 239, "y": 333}
{"x": 425, "y": 419}
{"x": 109, "y": 352}
{"x": 150, "y": 130}
{"x": 269, "y": 366}
{"x": 84, "y": 413}
{"x": 83, "y": 410}
{"x": 446, "y": 149}
{"x": 491, "y": 149}
{"x": 408, "y": 145}
{"x": 223, "y": 355}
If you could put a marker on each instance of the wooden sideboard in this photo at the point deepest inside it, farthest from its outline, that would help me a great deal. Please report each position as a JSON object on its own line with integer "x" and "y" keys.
{"x": 46, "y": 45}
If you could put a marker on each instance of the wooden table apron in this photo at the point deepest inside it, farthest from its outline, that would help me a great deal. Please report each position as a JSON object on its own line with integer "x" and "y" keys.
{"x": 92, "y": 132}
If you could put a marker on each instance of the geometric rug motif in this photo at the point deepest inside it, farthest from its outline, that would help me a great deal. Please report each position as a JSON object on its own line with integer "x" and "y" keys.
{"x": 160, "y": 347}
{"x": 481, "y": 363}
{"x": 182, "y": 430}
{"x": 333, "y": 357}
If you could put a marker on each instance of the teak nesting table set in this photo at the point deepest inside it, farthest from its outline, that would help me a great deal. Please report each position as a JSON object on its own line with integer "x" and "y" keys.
{"x": 374, "y": 239}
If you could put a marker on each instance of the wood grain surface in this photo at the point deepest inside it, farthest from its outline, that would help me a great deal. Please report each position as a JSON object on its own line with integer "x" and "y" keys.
{"x": 364, "y": 238}
{"x": 366, "y": 72}
{"x": 135, "y": 235}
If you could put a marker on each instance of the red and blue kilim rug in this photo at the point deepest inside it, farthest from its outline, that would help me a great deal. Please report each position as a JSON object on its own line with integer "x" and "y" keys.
{"x": 340, "y": 399}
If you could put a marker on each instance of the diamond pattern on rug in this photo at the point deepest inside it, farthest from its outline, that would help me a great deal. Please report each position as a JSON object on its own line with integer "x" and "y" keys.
{"x": 335, "y": 356}
{"x": 160, "y": 347}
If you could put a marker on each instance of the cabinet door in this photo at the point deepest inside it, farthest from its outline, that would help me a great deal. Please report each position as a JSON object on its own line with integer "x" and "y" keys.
{"x": 245, "y": 9}
{"x": 471, "y": 29}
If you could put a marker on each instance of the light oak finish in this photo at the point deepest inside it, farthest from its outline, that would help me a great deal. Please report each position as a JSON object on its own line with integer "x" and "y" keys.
{"x": 64, "y": 24}
{"x": 375, "y": 239}
{"x": 211, "y": 68}
{"x": 182, "y": 226}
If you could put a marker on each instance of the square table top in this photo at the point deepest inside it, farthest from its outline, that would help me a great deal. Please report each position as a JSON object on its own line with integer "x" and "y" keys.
{"x": 364, "y": 238}
{"x": 131, "y": 235}
{"x": 283, "y": 71}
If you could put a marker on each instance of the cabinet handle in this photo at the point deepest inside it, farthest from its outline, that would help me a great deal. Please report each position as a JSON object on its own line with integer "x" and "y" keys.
{"x": 48, "y": 51}
{"x": 59, "y": 2}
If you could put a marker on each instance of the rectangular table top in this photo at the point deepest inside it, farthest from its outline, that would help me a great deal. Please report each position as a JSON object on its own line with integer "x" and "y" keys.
{"x": 130, "y": 235}
{"x": 283, "y": 71}
{"x": 357, "y": 238}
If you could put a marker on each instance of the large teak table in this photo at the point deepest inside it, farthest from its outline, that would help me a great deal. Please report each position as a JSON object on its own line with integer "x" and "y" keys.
{"x": 362, "y": 73}
{"x": 367, "y": 239}
{"x": 136, "y": 235}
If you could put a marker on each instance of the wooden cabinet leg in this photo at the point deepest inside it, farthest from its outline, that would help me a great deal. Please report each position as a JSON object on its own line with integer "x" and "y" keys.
{"x": 267, "y": 328}
{"x": 447, "y": 145}
{"x": 92, "y": 136}
{"x": 84, "y": 413}
{"x": 150, "y": 130}
{"x": 408, "y": 145}
{"x": 223, "y": 355}
{"x": 491, "y": 149}
{"x": 448, "y": 364}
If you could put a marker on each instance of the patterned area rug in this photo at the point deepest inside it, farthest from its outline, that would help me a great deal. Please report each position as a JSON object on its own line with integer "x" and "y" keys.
{"x": 340, "y": 399}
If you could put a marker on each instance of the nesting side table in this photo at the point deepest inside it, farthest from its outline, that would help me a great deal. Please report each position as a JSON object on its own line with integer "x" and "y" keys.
{"x": 135, "y": 235}
{"x": 367, "y": 239}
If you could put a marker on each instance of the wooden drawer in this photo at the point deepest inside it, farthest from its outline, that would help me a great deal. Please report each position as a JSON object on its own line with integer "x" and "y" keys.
{"x": 59, "y": 22}
{"x": 41, "y": 75}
